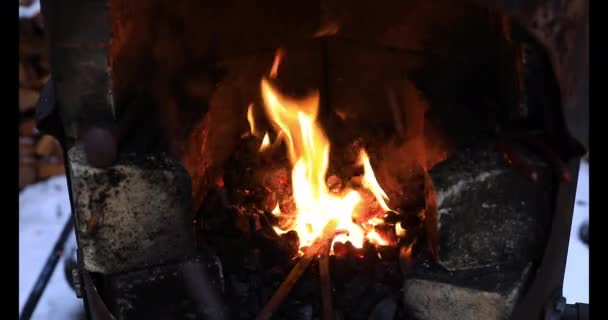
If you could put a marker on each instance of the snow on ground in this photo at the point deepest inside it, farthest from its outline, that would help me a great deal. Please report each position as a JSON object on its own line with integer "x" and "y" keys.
{"x": 45, "y": 207}
{"x": 43, "y": 210}
{"x": 576, "y": 280}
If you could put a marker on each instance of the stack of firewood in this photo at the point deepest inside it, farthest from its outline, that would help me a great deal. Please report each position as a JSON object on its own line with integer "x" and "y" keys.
{"x": 40, "y": 156}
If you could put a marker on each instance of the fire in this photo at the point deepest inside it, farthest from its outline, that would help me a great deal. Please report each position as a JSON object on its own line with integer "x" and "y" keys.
{"x": 308, "y": 150}
{"x": 275, "y": 64}
{"x": 370, "y": 182}
{"x": 251, "y": 120}
{"x": 265, "y": 143}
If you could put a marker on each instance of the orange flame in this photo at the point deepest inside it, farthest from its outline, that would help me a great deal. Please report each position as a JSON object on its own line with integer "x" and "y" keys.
{"x": 370, "y": 182}
{"x": 275, "y": 64}
{"x": 251, "y": 120}
{"x": 308, "y": 149}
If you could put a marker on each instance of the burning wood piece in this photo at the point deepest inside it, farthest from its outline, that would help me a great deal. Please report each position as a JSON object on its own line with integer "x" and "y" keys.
{"x": 275, "y": 301}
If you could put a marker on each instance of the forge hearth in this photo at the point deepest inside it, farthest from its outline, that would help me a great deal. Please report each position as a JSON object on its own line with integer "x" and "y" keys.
{"x": 315, "y": 160}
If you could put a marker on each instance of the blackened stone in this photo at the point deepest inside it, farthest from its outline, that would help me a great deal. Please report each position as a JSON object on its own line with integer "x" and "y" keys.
{"x": 194, "y": 286}
{"x": 493, "y": 223}
{"x": 489, "y": 213}
{"x": 370, "y": 298}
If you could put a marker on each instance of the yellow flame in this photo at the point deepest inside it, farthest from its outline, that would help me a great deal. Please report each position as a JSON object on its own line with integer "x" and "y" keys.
{"x": 399, "y": 230}
{"x": 277, "y": 210}
{"x": 265, "y": 142}
{"x": 375, "y": 238}
{"x": 308, "y": 149}
{"x": 370, "y": 182}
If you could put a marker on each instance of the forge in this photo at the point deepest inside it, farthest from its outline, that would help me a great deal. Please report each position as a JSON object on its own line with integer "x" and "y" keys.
{"x": 313, "y": 160}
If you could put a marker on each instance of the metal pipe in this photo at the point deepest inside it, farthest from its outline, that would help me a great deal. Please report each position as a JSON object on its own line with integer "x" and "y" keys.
{"x": 46, "y": 273}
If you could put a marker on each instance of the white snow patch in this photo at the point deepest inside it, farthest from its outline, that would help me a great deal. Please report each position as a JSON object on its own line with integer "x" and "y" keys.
{"x": 576, "y": 278}
{"x": 44, "y": 208}
{"x": 29, "y": 12}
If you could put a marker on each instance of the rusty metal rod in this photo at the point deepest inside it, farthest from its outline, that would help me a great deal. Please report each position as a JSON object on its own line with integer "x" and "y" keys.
{"x": 324, "y": 275}
{"x": 296, "y": 273}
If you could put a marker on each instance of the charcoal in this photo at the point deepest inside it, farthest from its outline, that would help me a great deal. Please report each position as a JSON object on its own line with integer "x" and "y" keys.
{"x": 388, "y": 252}
{"x": 386, "y": 309}
{"x": 271, "y": 218}
{"x": 393, "y": 217}
{"x": 350, "y": 249}
{"x": 413, "y": 219}
{"x": 369, "y": 253}
{"x": 239, "y": 288}
{"x": 295, "y": 310}
{"x": 242, "y": 224}
{"x": 273, "y": 249}
{"x": 226, "y": 221}
{"x": 340, "y": 249}
{"x": 339, "y": 315}
{"x": 308, "y": 286}
{"x": 304, "y": 312}
{"x": 292, "y": 241}
{"x": 362, "y": 309}
{"x": 340, "y": 269}
{"x": 353, "y": 290}
{"x": 387, "y": 232}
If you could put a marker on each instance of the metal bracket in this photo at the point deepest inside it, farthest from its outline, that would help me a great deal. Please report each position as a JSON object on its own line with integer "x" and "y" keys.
{"x": 77, "y": 283}
{"x": 555, "y": 306}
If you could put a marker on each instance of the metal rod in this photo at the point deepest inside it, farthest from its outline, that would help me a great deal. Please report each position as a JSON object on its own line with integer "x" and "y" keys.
{"x": 296, "y": 273}
{"x": 46, "y": 273}
{"x": 324, "y": 273}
